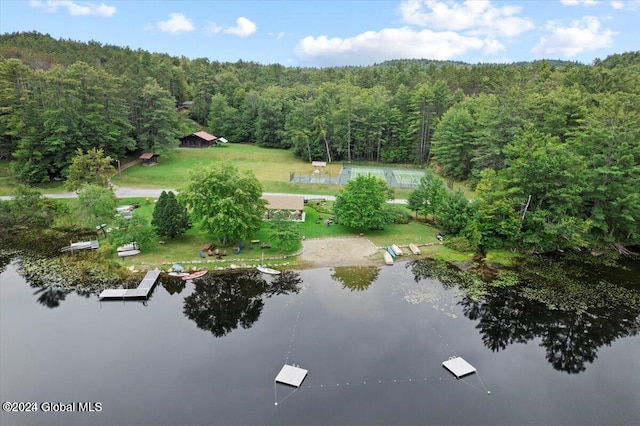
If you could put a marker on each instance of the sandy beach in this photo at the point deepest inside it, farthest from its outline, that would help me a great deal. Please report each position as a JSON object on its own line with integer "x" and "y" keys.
{"x": 354, "y": 251}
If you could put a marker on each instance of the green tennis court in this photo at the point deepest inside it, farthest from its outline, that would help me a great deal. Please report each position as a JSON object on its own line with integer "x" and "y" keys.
{"x": 408, "y": 177}
{"x": 367, "y": 171}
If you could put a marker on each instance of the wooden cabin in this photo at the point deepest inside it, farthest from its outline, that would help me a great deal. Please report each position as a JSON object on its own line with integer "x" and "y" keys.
{"x": 198, "y": 140}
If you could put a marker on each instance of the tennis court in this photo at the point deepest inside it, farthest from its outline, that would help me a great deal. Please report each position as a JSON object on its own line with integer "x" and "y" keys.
{"x": 408, "y": 178}
{"x": 367, "y": 171}
{"x": 398, "y": 178}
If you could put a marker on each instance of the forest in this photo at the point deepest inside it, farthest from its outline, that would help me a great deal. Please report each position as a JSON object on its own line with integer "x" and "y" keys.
{"x": 552, "y": 148}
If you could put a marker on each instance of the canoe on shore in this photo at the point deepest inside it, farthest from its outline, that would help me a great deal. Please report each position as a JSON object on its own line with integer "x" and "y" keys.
{"x": 397, "y": 250}
{"x": 391, "y": 252}
{"x": 127, "y": 253}
{"x": 387, "y": 258}
{"x": 414, "y": 248}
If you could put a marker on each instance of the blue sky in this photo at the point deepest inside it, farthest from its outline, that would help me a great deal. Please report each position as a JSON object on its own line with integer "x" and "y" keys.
{"x": 328, "y": 33}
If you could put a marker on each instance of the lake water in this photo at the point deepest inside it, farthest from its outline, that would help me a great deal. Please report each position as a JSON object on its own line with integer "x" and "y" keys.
{"x": 208, "y": 352}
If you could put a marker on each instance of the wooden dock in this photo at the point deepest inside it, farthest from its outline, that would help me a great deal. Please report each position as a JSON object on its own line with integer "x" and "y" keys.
{"x": 141, "y": 292}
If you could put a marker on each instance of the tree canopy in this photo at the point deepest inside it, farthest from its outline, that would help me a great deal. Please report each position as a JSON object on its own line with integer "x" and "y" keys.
{"x": 360, "y": 205}
{"x": 170, "y": 218}
{"x": 91, "y": 167}
{"x": 226, "y": 202}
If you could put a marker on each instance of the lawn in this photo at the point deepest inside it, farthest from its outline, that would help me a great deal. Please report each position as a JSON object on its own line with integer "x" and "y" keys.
{"x": 271, "y": 166}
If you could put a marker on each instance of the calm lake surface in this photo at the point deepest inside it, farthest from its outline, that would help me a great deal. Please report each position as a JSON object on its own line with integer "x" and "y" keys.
{"x": 207, "y": 353}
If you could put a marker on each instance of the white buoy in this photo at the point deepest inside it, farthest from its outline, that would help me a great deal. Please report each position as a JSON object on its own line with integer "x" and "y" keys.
{"x": 488, "y": 392}
{"x": 275, "y": 403}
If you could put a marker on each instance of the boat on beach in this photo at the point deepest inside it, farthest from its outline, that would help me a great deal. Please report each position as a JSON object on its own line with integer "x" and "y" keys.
{"x": 387, "y": 258}
{"x": 397, "y": 250}
{"x": 414, "y": 248}
{"x": 391, "y": 252}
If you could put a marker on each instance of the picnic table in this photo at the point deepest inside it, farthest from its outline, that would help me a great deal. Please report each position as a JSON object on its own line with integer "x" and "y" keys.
{"x": 208, "y": 247}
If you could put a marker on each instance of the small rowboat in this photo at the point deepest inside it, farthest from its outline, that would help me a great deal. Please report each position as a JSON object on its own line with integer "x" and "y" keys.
{"x": 387, "y": 258}
{"x": 194, "y": 275}
{"x": 414, "y": 248}
{"x": 391, "y": 252}
{"x": 397, "y": 250}
{"x": 127, "y": 253}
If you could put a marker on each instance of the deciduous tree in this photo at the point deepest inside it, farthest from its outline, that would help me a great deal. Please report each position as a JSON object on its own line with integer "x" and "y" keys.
{"x": 96, "y": 206}
{"x": 226, "y": 202}
{"x": 91, "y": 167}
{"x": 360, "y": 204}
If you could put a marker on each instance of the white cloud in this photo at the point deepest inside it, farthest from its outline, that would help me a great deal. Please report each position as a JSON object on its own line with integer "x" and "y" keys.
{"x": 277, "y": 36}
{"x": 476, "y": 17}
{"x": 582, "y": 35}
{"x": 244, "y": 27}
{"x": 75, "y": 9}
{"x": 390, "y": 43}
{"x": 176, "y": 23}
{"x": 579, "y": 2}
{"x": 212, "y": 27}
{"x": 617, "y": 5}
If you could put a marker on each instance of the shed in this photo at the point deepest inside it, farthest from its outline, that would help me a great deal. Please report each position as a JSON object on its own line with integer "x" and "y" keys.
{"x": 148, "y": 158}
{"x": 316, "y": 164}
{"x": 198, "y": 140}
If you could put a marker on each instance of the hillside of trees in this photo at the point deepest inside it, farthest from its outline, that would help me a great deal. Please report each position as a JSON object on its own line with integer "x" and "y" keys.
{"x": 552, "y": 147}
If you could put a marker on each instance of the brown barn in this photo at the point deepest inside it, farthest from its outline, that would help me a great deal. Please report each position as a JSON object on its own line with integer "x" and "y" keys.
{"x": 198, "y": 140}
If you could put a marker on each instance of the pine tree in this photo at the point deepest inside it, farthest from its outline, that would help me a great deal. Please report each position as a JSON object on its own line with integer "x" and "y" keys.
{"x": 170, "y": 218}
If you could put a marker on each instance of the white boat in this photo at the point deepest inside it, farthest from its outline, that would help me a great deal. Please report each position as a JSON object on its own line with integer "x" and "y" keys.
{"x": 127, "y": 253}
{"x": 414, "y": 248}
{"x": 129, "y": 247}
{"x": 387, "y": 258}
{"x": 396, "y": 250}
{"x": 266, "y": 270}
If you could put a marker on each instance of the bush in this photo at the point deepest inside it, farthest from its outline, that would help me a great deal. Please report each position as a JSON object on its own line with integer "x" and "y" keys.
{"x": 397, "y": 214}
{"x": 459, "y": 244}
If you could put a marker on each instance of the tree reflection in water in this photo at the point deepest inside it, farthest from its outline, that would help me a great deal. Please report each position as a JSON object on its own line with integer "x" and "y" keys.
{"x": 355, "y": 278}
{"x": 173, "y": 285}
{"x": 571, "y": 338}
{"x": 221, "y": 302}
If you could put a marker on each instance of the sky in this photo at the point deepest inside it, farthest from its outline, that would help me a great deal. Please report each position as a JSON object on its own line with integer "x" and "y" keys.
{"x": 338, "y": 32}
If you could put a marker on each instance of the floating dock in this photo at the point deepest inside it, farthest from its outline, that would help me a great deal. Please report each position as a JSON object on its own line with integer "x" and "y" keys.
{"x": 458, "y": 366}
{"x": 291, "y": 375}
{"x": 142, "y": 291}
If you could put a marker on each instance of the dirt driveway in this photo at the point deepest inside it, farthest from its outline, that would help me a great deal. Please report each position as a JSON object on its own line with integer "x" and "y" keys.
{"x": 323, "y": 252}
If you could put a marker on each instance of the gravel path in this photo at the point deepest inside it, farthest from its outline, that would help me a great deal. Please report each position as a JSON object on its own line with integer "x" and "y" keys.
{"x": 326, "y": 252}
